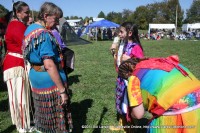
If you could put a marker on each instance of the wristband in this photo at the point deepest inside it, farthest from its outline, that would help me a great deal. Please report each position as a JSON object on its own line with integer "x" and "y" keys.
{"x": 64, "y": 92}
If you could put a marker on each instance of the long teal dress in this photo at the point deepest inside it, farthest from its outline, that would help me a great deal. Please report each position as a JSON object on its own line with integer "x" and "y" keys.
{"x": 50, "y": 116}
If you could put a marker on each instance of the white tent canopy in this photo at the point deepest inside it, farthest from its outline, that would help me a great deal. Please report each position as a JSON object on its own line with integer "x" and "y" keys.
{"x": 74, "y": 22}
{"x": 186, "y": 27}
{"x": 161, "y": 26}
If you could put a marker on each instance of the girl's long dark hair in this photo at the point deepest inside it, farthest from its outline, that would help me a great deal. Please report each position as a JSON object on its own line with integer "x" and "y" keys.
{"x": 17, "y": 6}
{"x": 131, "y": 27}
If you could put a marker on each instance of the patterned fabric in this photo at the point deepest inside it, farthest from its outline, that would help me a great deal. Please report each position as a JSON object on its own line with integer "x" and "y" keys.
{"x": 134, "y": 92}
{"x": 50, "y": 116}
{"x": 181, "y": 123}
{"x": 172, "y": 97}
{"x": 160, "y": 86}
{"x": 120, "y": 90}
{"x": 133, "y": 50}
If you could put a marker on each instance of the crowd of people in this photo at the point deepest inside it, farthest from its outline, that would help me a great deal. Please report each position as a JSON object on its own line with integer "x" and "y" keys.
{"x": 147, "y": 90}
{"x": 101, "y": 33}
{"x": 162, "y": 34}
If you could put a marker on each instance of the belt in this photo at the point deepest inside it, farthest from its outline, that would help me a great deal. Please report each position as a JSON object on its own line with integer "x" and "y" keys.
{"x": 15, "y": 54}
{"x": 41, "y": 68}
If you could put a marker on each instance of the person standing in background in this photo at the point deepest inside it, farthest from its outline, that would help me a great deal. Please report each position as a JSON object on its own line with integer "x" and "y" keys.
{"x": 14, "y": 68}
{"x": 66, "y": 52}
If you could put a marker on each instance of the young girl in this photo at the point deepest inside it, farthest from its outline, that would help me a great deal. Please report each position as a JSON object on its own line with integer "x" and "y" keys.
{"x": 153, "y": 86}
{"x": 129, "y": 47}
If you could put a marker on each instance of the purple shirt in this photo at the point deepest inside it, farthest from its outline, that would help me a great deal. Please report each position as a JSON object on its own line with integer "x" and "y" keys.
{"x": 56, "y": 34}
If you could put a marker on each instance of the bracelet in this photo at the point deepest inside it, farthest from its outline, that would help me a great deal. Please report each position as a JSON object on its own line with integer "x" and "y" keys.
{"x": 64, "y": 92}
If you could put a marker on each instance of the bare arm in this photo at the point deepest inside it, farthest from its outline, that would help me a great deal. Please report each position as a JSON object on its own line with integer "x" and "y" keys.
{"x": 137, "y": 111}
{"x": 53, "y": 72}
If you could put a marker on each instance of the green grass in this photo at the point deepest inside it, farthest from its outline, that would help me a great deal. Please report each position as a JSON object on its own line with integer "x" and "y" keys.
{"x": 93, "y": 82}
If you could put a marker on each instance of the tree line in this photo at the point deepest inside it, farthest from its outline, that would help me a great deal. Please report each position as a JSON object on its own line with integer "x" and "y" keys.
{"x": 158, "y": 12}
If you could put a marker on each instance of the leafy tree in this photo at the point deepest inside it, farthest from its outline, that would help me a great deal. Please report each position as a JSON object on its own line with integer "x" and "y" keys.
{"x": 3, "y": 11}
{"x": 160, "y": 13}
{"x": 172, "y": 6}
{"x": 193, "y": 13}
{"x": 91, "y": 18}
{"x": 156, "y": 13}
{"x": 115, "y": 17}
{"x": 101, "y": 15}
{"x": 67, "y": 18}
{"x": 125, "y": 14}
{"x": 140, "y": 16}
{"x": 74, "y": 17}
{"x": 110, "y": 16}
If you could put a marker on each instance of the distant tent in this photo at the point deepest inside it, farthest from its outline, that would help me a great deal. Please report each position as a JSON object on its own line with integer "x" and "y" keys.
{"x": 186, "y": 27}
{"x": 68, "y": 35}
{"x": 103, "y": 23}
{"x": 161, "y": 26}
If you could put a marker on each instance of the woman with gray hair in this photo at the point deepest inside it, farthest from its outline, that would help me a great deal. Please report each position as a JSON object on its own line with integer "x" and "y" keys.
{"x": 50, "y": 92}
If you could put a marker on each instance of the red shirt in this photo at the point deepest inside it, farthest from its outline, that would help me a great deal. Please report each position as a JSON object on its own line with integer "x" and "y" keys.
{"x": 14, "y": 38}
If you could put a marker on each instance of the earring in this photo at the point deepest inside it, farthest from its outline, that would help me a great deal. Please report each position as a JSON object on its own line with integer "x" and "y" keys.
{"x": 47, "y": 26}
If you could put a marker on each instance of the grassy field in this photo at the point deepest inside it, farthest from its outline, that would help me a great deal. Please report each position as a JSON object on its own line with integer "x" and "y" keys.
{"x": 93, "y": 82}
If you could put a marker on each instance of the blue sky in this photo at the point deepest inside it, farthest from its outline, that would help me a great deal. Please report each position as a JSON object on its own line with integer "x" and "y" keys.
{"x": 91, "y": 8}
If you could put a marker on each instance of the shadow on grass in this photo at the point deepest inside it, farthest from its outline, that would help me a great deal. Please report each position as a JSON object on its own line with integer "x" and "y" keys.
{"x": 10, "y": 129}
{"x": 98, "y": 130}
{"x": 3, "y": 86}
{"x": 79, "y": 114}
{"x": 73, "y": 79}
{"x": 4, "y": 105}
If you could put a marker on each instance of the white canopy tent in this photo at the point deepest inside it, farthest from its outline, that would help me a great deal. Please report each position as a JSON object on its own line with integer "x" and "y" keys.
{"x": 186, "y": 27}
{"x": 74, "y": 22}
{"x": 161, "y": 26}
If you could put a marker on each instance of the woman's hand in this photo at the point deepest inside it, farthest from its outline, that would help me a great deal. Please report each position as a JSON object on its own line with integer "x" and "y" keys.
{"x": 125, "y": 57}
{"x": 51, "y": 68}
{"x": 64, "y": 98}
